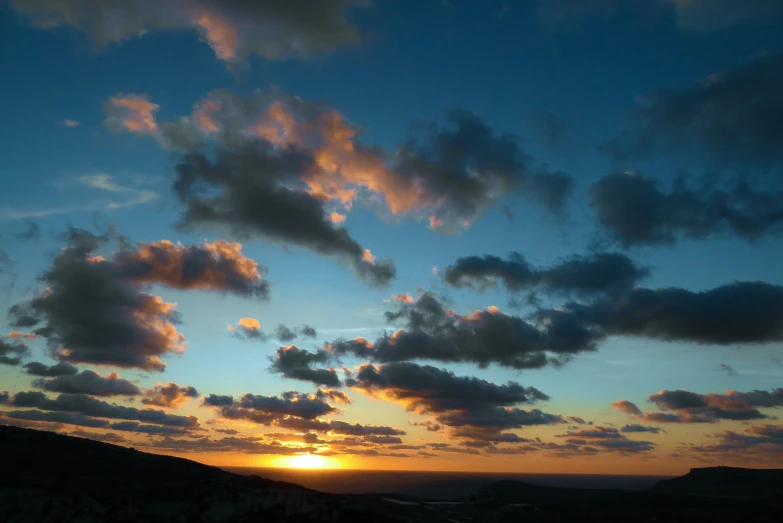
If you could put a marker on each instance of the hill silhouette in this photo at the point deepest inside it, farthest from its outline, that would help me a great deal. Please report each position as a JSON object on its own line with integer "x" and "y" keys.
{"x": 48, "y": 477}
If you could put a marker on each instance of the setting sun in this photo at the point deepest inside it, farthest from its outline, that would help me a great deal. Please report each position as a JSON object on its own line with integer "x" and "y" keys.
{"x": 307, "y": 461}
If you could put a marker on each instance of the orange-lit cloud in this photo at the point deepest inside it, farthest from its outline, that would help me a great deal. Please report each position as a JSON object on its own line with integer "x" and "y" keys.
{"x": 220, "y": 34}
{"x": 218, "y": 266}
{"x": 368, "y": 257}
{"x": 169, "y": 395}
{"x": 132, "y": 112}
{"x": 248, "y": 327}
{"x": 204, "y": 116}
{"x": 336, "y": 217}
{"x": 404, "y": 298}
{"x": 22, "y": 335}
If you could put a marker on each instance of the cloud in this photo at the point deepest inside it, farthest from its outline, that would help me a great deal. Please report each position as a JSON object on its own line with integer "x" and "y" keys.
{"x": 431, "y": 332}
{"x": 739, "y": 312}
{"x": 627, "y": 406}
{"x": 597, "y": 273}
{"x": 133, "y": 426}
{"x": 11, "y": 353}
{"x": 284, "y": 334}
{"x": 634, "y": 210}
{"x": 4, "y": 397}
{"x": 758, "y": 441}
{"x": 217, "y": 266}
{"x": 90, "y": 313}
{"x": 107, "y": 437}
{"x": 429, "y": 425}
{"x": 699, "y": 15}
{"x": 315, "y": 168}
{"x": 295, "y": 363}
{"x": 728, "y": 369}
{"x": 711, "y": 15}
{"x": 249, "y": 328}
{"x": 68, "y": 418}
{"x": 170, "y": 395}
{"x": 337, "y": 427}
{"x": 730, "y": 116}
{"x": 89, "y": 382}
{"x": 131, "y": 112}
{"x": 62, "y": 368}
{"x": 251, "y": 206}
{"x": 234, "y": 29}
{"x": 245, "y": 445}
{"x": 102, "y": 182}
{"x": 682, "y": 406}
{"x": 31, "y": 232}
{"x": 606, "y": 439}
{"x": 70, "y": 123}
{"x": 334, "y": 395}
{"x": 640, "y": 428}
{"x": 265, "y": 409}
{"x": 88, "y": 406}
{"x": 459, "y": 402}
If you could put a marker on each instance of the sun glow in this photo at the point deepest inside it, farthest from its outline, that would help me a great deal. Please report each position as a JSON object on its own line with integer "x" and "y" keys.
{"x": 307, "y": 461}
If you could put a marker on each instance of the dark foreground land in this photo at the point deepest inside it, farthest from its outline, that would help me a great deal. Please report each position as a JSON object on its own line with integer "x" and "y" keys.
{"x": 47, "y": 477}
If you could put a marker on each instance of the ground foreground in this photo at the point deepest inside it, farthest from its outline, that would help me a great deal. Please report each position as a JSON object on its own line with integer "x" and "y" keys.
{"x": 48, "y": 477}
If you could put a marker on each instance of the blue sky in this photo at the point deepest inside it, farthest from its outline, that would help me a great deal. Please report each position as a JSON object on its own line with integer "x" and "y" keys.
{"x": 515, "y": 65}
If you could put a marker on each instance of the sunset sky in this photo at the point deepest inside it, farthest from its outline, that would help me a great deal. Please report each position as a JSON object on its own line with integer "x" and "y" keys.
{"x": 519, "y": 236}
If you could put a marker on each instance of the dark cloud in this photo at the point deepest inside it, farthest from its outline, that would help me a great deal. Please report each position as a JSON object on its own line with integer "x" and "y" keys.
{"x": 309, "y": 331}
{"x": 63, "y": 368}
{"x": 266, "y": 409}
{"x": 235, "y": 29}
{"x": 710, "y": 15}
{"x": 248, "y": 328}
{"x": 760, "y": 442}
{"x": 88, "y": 406}
{"x": 627, "y": 406}
{"x": 454, "y": 401}
{"x": 11, "y": 353}
{"x": 170, "y": 395}
{"x": 682, "y": 406}
{"x": 607, "y": 439}
{"x": 91, "y": 383}
{"x": 732, "y": 115}
{"x": 334, "y": 395}
{"x": 250, "y": 200}
{"x": 635, "y": 210}
{"x": 4, "y": 397}
{"x": 468, "y": 167}
{"x": 295, "y": 363}
{"x": 31, "y": 232}
{"x": 728, "y": 369}
{"x": 106, "y": 437}
{"x": 90, "y": 313}
{"x": 429, "y": 425}
{"x": 5, "y": 261}
{"x": 337, "y": 427}
{"x": 285, "y": 334}
{"x": 67, "y": 418}
{"x": 245, "y": 445}
{"x": 740, "y": 312}
{"x": 134, "y": 426}
{"x": 218, "y": 266}
{"x": 640, "y": 428}
{"x": 597, "y": 273}
{"x": 431, "y": 332}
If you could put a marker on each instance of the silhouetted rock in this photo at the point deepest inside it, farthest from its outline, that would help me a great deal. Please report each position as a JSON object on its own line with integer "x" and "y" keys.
{"x": 729, "y": 482}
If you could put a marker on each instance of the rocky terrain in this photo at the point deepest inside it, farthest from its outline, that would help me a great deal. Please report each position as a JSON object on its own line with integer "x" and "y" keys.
{"x": 53, "y": 478}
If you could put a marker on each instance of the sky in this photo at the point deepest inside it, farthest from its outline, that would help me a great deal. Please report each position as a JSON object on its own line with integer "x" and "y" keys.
{"x": 517, "y": 236}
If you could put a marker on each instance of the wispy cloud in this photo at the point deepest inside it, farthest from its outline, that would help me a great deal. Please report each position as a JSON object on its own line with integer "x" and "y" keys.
{"x": 70, "y": 123}
{"x": 101, "y": 182}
